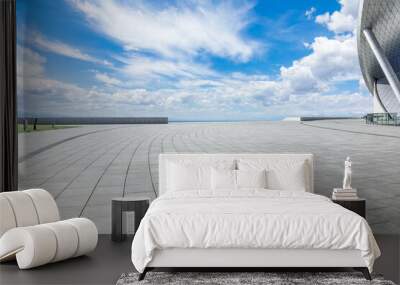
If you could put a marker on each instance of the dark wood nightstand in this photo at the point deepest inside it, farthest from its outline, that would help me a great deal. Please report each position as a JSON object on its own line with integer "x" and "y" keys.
{"x": 357, "y": 206}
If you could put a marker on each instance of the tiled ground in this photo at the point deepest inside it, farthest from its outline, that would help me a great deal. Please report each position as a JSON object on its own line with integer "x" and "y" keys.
{"x": 100, "y": 162}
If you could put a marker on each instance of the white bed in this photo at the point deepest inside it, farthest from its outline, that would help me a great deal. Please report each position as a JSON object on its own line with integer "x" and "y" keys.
{"x": 248, "y": 227}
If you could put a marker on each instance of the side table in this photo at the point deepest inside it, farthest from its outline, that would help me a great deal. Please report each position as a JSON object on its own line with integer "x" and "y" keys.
{"x": 136, "y": 203}
{"x": 357, "y": 206}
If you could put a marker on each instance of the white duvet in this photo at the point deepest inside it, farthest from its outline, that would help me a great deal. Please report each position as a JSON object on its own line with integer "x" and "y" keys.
{"x": 250, "y": 219}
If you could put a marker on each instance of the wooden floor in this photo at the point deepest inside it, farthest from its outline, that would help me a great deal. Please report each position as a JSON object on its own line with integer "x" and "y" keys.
{"x": 106, "y": 264}
{"x": 85, "y": 167}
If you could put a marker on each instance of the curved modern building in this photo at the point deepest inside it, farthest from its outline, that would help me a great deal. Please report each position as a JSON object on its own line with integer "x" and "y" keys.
{"x": 378, "y": 41}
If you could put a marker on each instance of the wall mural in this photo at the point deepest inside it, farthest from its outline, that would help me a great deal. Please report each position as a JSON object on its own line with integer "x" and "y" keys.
{"x": 106, "y": 86}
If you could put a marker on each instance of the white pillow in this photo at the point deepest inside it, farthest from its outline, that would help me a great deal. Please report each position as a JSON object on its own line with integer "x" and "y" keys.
{"x": 251, "y": 178}
{"x": 292, "y": 178}
{"x": 223, "y": 179}
{"x": 282, "y": 174}
{"x": 188, "y": 177}
{"x": 193, "y": 174}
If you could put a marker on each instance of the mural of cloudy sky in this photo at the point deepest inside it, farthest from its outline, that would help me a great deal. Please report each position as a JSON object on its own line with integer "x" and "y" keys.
{"x": 189, "y": 60}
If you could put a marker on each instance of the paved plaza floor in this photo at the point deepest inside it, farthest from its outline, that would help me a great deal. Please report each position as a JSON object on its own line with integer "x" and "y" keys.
{"x": 85, "y": 167}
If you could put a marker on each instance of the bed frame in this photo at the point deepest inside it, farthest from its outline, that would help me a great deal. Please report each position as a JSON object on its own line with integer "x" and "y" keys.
{"x": 246, "y": 259}
{"x": 242, "y": 259}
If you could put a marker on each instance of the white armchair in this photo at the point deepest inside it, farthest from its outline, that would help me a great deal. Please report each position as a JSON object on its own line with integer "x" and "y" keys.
{"x": 32, "y": 233}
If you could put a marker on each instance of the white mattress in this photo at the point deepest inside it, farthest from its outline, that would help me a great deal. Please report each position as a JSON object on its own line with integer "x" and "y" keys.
{"x": 252, "y": 219}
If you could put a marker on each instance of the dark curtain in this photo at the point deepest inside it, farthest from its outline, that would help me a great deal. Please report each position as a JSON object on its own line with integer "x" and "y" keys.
{"x": 8, "y": 101}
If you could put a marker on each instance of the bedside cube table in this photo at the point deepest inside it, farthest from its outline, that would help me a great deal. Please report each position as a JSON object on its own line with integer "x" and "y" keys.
{"x": 136, "y": 203}
{"x": 357, "y": 206}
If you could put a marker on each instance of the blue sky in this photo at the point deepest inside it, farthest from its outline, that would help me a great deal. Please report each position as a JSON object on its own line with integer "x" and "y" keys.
{"x": 194, "y": 60}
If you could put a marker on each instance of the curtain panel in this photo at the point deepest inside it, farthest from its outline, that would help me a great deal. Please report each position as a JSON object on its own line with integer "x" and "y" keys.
{"x": 8, "y": 100}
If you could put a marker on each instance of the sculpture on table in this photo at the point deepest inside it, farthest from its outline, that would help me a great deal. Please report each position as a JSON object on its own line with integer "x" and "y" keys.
{"x": 347, "y": 174}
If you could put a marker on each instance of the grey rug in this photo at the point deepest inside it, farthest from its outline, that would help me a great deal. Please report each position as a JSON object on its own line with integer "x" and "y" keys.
{"x": 269, "y": 278}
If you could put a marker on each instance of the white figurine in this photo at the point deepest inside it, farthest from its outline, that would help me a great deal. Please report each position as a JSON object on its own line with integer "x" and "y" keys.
{"x": 347, "y": 174}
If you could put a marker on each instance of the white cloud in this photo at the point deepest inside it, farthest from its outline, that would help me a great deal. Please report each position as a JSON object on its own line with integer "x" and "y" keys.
{"x": 38, "y": 94}
{"x": 310, "y": 13}
{"x": 341, "y": 21}
{"x": 331, "y": 60}
{"x": 29, "y": 63}
{"x": 105, "y": 78}
{"x": 344, "y": 104}
{"x": 188, "y": 29}
{"x": 143, "y": 67}
{"x": 236, "y": 95}
{"x": 63, "y": 49}
{"x": 308, "y": 86}
{"x": 350, "y": 7}
{"x": 138, "y": 96}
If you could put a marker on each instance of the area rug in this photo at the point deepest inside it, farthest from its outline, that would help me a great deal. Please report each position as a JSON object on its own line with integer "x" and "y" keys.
{"x": 269, "y": 278}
